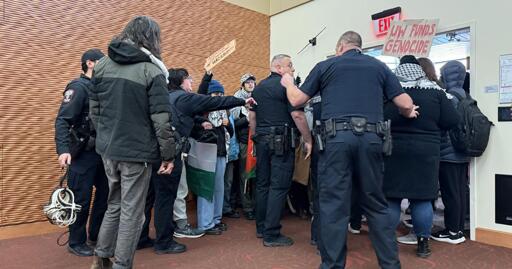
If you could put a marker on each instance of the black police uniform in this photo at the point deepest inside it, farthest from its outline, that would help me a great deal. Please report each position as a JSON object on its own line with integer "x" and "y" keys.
{"x": 86, "y": 169}
{"x": 185, "y": 109}
{"x": 273, "y": 171}
{"x": 353, "y": 85}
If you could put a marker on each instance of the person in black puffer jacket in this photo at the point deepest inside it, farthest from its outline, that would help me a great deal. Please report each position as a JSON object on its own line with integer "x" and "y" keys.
{"x": 453, "y": 169}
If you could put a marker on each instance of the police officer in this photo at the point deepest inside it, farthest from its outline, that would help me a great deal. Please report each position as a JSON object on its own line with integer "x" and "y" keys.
{"x": 74, "y": 139}
{"x": 353, "y": 87}
{"x": 275, "y": 120}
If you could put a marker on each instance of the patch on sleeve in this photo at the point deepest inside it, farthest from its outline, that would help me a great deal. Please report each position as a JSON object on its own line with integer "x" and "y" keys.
{"x": 68, "y": 96}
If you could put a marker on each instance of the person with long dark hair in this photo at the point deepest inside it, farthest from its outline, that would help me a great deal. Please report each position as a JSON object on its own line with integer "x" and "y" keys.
{"x": 129, "y": 107}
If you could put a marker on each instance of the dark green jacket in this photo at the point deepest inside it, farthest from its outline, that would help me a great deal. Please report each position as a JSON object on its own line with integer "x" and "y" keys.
{"x": 130, "y": 108}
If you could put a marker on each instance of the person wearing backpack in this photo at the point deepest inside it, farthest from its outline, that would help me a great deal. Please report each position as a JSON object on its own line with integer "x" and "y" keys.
{"x": 453, "y": 168}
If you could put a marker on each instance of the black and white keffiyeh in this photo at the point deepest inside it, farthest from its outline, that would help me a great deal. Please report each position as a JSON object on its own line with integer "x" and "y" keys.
{"x": 412, "y": 76}
{"x": 236, "y": 111}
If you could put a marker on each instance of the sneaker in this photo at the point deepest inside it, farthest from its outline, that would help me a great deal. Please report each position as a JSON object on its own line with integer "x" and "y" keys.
{"x": 188, "y": 232}
{"x": 173, "y": 247}
{"x": 259, "y": 235}
{"x": 82, "y": 250}
{"x": 233, "y": 214}
{"x": 407, "y": 223}
{"x": 280, "y": 241}
{"x": 423, "y": 250}
{"x": 353, "y": 231}
{"x": 213, "y": 231}
{"x": 408, "y": 239}
{"x": 449, "y": 237}
{"x": 222, "y": 226}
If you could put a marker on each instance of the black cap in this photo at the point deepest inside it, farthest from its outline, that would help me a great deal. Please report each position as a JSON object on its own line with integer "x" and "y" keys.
{"x": 408, "y": 59}
{"x": 92, "y": 54}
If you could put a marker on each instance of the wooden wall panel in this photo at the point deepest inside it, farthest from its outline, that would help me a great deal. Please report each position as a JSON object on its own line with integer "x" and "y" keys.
{"x": 42, "y": 42}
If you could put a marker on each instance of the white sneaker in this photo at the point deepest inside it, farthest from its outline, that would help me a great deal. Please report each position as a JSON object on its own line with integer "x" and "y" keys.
{"x": 408, "y": 239}
{"x": 353, "y": 231}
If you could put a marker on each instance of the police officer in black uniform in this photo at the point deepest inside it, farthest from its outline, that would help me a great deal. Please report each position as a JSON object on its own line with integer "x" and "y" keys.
{"x": 276, "y": 123}
{"x": 74, "y": 139}
{"x": 353, "y": 87}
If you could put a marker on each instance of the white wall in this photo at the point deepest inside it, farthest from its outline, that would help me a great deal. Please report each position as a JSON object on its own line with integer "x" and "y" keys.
{"x": 490, "y": 29}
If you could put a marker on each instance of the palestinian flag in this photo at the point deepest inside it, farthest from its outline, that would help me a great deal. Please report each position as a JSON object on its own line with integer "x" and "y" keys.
{"x": 200, "y": 165}
{"x": 250, "y": 164}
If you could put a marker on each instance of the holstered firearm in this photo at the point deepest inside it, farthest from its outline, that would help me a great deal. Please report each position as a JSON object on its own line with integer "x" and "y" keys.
{"x": 81, "y": 137}
{"x": 384, "y": 130}
{"x": 319, "y": 134}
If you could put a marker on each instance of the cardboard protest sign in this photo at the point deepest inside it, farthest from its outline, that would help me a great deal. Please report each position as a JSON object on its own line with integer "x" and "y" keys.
{"x": 220, "y": 55}
{"x": 410, "y": 37}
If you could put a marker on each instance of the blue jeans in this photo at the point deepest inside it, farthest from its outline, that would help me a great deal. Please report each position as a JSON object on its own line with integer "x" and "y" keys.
{"x": 421, "y": 212}
{"x": 210, "y": 213}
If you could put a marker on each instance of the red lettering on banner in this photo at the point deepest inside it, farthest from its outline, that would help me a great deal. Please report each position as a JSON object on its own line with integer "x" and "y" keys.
{"x": 389, "y": 45}
{"x": 426, "y": 47}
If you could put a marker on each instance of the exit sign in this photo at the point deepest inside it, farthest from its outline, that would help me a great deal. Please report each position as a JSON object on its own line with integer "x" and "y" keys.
{"x": 382, "y": 20}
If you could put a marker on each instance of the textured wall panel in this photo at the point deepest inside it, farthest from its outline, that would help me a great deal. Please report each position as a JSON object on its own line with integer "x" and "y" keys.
{"x": 42, "y": 42}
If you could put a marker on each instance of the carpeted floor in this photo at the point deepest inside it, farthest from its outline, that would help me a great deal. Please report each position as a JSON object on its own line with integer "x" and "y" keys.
{"x": 239, "y": 248}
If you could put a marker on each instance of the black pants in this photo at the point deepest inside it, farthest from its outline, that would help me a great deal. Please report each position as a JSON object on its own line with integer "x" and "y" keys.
{"x": 314, "y": 182}
{"x": 161, "y": 195}
{"x": 348, "y": 157}
{"x": 453, "y": 182}
{"x": 355, "y": 209}
{"x": 273, "y": 180}
{"x": 85, "y": 172}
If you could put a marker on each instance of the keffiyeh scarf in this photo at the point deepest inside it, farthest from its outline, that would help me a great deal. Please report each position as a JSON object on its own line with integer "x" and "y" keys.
{"x": 241, "y": 109}
{"x": 412, "y": 76}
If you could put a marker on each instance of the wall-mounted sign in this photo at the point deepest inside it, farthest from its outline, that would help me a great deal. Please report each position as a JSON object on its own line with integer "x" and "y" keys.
{"x": 410, "y": 37}
{"x": 505, "y": 79}
{"x": 382, "y": 20}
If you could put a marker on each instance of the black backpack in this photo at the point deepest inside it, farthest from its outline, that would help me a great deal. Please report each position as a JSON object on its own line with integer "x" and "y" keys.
{"x": 472, "y": 133}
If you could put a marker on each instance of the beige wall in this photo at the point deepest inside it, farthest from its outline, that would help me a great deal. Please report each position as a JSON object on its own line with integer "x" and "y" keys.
{"x": 269, "y": 7}
{"x": 490, "y": 38}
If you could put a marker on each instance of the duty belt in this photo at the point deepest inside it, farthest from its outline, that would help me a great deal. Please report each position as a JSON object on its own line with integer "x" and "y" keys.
{"x": 346, "y": 126}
